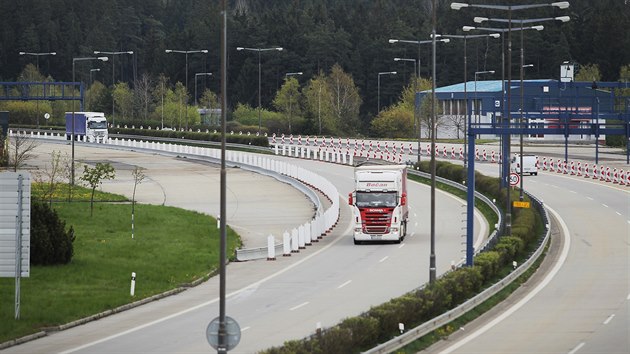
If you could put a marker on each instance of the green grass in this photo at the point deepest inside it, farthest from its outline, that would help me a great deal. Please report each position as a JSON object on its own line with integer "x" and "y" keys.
{"x": 171, "y": 247}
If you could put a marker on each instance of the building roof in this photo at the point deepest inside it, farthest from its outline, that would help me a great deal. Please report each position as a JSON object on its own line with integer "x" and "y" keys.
{"x": 482, "y": 86}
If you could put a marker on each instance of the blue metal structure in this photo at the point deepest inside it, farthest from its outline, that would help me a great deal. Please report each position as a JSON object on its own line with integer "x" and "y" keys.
{"x": 41, "y": 91}
{"x": 550, "y": 107}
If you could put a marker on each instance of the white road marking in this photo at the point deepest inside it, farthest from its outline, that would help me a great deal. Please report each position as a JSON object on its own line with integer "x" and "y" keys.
{"x": 383, "y": 259}
{"x": 344, "y": 284}
{"x": 563, "y": 257}
{"x": 579, "y": 346}
{"x": 609, "y": 319}
{"x": 245, "y": 328}
{"x": 618, "y": 213}
{"x": 628, "y": 298}
{"x": 574, "y": 192}
{"x": 401, "y": 245}
{"x": 589, "y": 198}
{"x": 604, "y": 205}
{"x": 298, "y": 306}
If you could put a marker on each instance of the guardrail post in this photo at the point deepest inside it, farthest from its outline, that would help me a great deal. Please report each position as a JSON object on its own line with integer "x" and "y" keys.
{"x": 271, "y": 249}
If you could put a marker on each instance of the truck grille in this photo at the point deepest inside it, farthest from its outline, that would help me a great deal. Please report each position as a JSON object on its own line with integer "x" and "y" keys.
{"x": 376, "y": 222}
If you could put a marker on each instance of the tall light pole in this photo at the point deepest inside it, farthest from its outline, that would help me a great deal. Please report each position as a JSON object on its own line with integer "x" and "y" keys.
{"x": 196, "y": 76}
{"x": 91, "y": 71}
{"x": 432, "y": 265}
{"x": 415, "y": 84}
{"x": 506, "y": 142}
{"x": 287, "y": 75}
{"x": 74, "y": 60}
{"x": 379, "y": 88}
{"x": 478, "y": 118}
{"x": 259, "y": 50}
{"x": 186, "y": 52}
{"x": 113, "y": 54}
{"x": 522, "y": 66}
{"x": 392, "y": 41}
{"x": 37, "y": 55}
{"x": 465, "y": 37}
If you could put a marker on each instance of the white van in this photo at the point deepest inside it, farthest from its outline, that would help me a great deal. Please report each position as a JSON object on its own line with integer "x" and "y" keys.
{"x": 530, "y": 164}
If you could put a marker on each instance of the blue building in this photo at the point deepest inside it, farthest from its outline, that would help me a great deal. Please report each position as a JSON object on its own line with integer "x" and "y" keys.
{"x": 545, "y": 104}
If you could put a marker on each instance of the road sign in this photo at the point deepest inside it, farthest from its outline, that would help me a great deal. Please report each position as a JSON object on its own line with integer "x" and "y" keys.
{"x": 515, "y": 179}
{"x": 517, "y": 204}
{"x": 232, "y": 335}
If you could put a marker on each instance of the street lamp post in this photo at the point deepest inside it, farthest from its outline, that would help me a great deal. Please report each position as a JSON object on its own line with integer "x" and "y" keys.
{"x": 379, "y": 88}
{"x": 186, "y": 52}
{"x": 259, "y": 50}
{"x": 506, "y": 143}
{"x": 477, "y": 113}
{"x": 37, "y": 55}
{"x": 74, "y": 60}
{"x": 522, "y": 66}
{"x": 467, "y": 118}
{"x": 91, "y": 71}
{"x": 291, "y": 96}
{"x": 415, "y": 84}
{"x": 197, "y": 75}
{"x": 443, "y": 40}
{"x": 113, "y": 54}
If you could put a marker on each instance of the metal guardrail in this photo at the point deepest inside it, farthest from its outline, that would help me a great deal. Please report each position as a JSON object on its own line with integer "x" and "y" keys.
{"x": 437, "y": 322}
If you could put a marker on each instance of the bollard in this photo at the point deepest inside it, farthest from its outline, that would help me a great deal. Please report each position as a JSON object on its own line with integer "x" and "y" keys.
{"x": 271, "y": 250}
{"x": 286, "y": 244}
{"x": 133, "y": 284}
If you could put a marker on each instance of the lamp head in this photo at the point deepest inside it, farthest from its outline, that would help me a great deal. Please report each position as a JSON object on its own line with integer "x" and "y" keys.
{"x": 480, "y": 19}
{"x": 495, "y": 35}
{"x": 394, "y": 72}
{"x": 239, "y": 48}
{"x": 204, "y": 51}
{"x": 561, "y": 4}
{"x": 538, "y": 28}
{"x": 168, "y": 51}
{"x": 130, "y": 52}
{"x": 22, "y": 53}
{"x": 279, "y": 49}
{"x": 53, "y": 53}
{"x": 397, "y": 59}
{"x": 445, "y": 40}
{"x": 103, "y": 58}
{"x": 97, "y": 52}
{"x": 468, "y": 28}
{"x": 491, "y": 72}
{"x": 563, "y": 18}
{"x": 458, "y": 5}
{"x": 393, "y": 40}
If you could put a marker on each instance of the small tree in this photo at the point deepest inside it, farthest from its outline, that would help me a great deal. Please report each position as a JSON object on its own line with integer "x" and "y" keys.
{"x": 21, "y": 150}
{"x": 50, "y": 176}
{"x": 138, "y": 177}
{"x": 93, "y": 177}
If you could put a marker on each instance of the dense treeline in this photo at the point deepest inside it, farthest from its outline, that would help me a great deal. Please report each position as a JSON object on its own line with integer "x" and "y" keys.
{"x": 315, "y": 35}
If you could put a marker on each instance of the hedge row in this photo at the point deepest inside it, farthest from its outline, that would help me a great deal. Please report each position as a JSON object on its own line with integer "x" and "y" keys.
{"x": 380, "y": 323}
{"x": 245, "y": 139}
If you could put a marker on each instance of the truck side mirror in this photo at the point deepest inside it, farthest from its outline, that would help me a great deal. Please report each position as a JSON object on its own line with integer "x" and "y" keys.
{"x": 350, "y": 199}
{"x": 403, "y": 199}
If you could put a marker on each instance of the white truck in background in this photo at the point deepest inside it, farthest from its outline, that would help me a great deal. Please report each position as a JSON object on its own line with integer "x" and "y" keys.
{"x": 88, "y": 126}
{"x": 379, "y": 203}
{"x": 530, "y": 164}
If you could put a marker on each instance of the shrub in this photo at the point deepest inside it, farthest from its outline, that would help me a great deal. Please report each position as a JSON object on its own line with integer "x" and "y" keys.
{"x": 488, "y": 264}
{"x": 50, "y": 242}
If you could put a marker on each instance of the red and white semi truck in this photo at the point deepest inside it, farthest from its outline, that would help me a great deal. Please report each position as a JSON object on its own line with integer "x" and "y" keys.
{"x": 379, "y": 203}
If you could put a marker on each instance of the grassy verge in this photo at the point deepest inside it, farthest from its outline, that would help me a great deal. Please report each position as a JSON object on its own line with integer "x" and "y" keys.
{"x": 171, "y": 247}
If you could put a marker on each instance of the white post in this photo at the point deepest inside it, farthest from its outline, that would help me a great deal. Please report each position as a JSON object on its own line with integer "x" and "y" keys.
{"x": 307, "y": 233}
{"x": 271, "y": 249}
{"x": 295, "y": 241}
{"x": 301, "y": 244}
{"x": 286, "y": 244}
{"x": 133, "y": 284}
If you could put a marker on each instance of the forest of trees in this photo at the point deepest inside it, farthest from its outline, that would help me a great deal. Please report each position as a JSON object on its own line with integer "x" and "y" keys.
{"x": 338, "y": 45}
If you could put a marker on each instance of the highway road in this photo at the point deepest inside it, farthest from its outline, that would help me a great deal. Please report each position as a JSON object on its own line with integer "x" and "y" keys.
{"x": 275, "y": 301}
{"x": 582, "y": 304}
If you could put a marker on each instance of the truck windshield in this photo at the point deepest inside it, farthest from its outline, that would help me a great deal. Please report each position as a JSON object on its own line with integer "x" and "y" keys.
{"x": 97, "y": 125}
{"x": 376, "y": 199}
